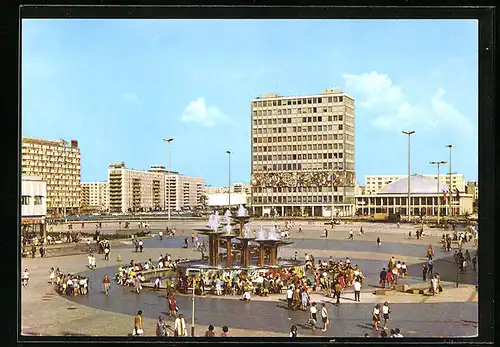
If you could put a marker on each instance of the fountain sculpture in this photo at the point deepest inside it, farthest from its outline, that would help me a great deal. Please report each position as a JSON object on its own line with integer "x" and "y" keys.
{"x": 240, "y": 241}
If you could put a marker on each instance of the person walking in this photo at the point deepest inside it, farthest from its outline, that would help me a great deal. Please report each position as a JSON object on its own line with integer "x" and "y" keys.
{"x": 324, "y": 316}
{"x": 106, "y": 284}
{"x": 386, "y": 311}
{"x": 137, "y": 283}
{"x": 383, "y": 278}
{"x": 389, "y": 279}
{"x": 92, "y": 262}
{"x": 289, "y": 297}
{"x": 312, "y": 316}
{"x": 467, "y": 256}
{"x": 326, "y": 233}
{"x": 138, "y": 324}
{"x": 304, "y": 300}
{"x": 172, "y": 305}
{"x": 434, "y": 285}
{"x": 474, "y": 262}
{"x": 106, "y": 253}
{"x": 141, "y": 245}
{"x": 357, "y": 289}
{"x": 338, "y": 290}
{"x": 52, "y": 276}
{"x": 378, "y": 242}
{"x": 33, "y": 251}
{"x": 424, "y": 272}
{"x": 293, "y": 331}
{"x": 351, "y": 235}
{"x": 25, "y": 278}
{"x": 430, "y": 265}
{"x": 136, "y": 244}
{"x": 376, "y": 316}
{"x": 42, "y": 251}
{"x": 404, "y": 270}
{"x": 430, "y": 252}
{"x": 180, "y": 326}
{"x": 161, "y": 235}
{"x": 161, "y": 327}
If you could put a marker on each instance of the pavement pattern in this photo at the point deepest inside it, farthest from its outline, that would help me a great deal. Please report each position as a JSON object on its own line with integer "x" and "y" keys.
{"x": 452, "y": 313}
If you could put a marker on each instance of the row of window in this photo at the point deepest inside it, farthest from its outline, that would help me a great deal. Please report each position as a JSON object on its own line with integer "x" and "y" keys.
{"x": 26, "y": 199}
{"x": 270, "y": 139}
{"x": 313, "y": 189}
{"x": 302, "y": 101}
{"x": 309, "y": 147}
{"x": 298, "y": 129}
{"x": 302, "y": 166}
{"x": 305, "y": 110}
{"x": 289, "y": 120}
{"x": 298, "y": 156}
{"x": 380, "y": 201}
{"x": 297, "y": 199}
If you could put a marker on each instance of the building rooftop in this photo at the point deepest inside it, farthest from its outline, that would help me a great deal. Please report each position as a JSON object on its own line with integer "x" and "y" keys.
{"x": 418, "y": 185}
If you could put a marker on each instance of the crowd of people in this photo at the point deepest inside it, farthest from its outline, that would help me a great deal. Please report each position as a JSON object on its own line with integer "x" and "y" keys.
{"x": 68, "y": 284}
{"x": 395, "y": 270}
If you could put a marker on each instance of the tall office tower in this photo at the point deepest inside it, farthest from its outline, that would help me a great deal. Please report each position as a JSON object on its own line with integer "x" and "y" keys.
{"x": 303, "y": 154}
{"x": 58, "y": 164}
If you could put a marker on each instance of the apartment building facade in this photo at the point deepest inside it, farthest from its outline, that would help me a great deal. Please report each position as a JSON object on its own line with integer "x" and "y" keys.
{"x": 302, "y": 154}
{"x": 33, "y": 205}
{"x": 377, "y": 183}
{"x": 57, "y": 163}
{"x": 133, "y": 190}
{"x": 95, "y": 196}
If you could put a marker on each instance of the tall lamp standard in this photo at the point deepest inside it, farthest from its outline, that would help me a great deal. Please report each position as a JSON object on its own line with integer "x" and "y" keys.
{"x": 449, "y": 198}
{"x": 409, "y": 133}
{"x": 438, "y": 163}
{"x": 168, "y": 140}
{"x": 229, "y": 180}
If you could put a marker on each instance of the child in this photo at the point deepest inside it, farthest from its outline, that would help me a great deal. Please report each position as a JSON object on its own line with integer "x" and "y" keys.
{"x": 404, "y": 270}
{"x": 25, "y": 278}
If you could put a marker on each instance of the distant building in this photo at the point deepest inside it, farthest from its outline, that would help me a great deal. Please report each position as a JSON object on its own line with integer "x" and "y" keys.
{"x": 424, "y": 199}
{"x": 33, "y": 205}
{"x": 58, "y": 164}
{"x": 133, "y": 190}
{"x": 95, "y": 196}
{"x": 377, "y": 183}
{"x": 221, "y": 199}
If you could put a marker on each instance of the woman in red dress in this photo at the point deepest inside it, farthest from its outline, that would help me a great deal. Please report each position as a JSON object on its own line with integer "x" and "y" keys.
{"x": 388, "y": 279}
{"x": 342, "y": 282}
{"x": 172, "y": 305}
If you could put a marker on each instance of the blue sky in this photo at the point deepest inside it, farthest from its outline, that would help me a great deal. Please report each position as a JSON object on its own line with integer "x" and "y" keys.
{"x": 120, "y": 86}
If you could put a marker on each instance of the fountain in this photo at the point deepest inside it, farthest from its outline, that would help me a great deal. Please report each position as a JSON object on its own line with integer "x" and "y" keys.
{"x": 265, "y": 242}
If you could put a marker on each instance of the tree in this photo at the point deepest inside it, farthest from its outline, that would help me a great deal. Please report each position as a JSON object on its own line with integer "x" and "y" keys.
{"x": 204, "y": 200}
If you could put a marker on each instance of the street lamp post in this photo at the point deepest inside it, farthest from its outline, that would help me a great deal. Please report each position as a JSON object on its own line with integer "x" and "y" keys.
{"x": 193, "y": 272}
{"x": 168, "y": 140}
{"x": 449, "y": 186}
{"x": 409, "y": 133}
{"x": 229, "y": 180}
{"x": 438, "y": 163}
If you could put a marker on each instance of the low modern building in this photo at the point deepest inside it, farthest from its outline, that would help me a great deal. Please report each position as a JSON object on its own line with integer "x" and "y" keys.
{"x": 424, "y": 199}
{"x": 95, "y": 196}
{"x": 33, "y": 205}
{"x": 222, "y": 199}
{"x": 377, "y": 183}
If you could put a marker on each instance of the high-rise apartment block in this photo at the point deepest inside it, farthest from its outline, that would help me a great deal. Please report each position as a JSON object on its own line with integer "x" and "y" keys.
{"x": 303, "y": 154}
{"x": 95, "y": 196}
{"x": 58, "y": 164}
{"x": 133, "y": 190}
{"x": 376, "y": 183}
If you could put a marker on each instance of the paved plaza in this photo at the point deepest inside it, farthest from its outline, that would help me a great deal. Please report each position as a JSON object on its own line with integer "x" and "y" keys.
{"x": 452, "y": 313}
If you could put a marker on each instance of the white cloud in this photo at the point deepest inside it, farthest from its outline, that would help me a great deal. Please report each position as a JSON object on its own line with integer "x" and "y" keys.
{"x": 378, "y": 89}
{"x": 130, "y": 97}
{"x": 198, "y": 112}
{"x": 387, "y": 102}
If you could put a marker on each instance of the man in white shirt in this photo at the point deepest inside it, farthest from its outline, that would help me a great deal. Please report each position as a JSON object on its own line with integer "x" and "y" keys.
{"x": 324, "y": 316}
{"x": 180, "y": 326}
{"x": 289, "y": 297}
{"x": 351, "y": 235}
{"x": 313, "y": 317}
{"x": 357, "y": 289}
